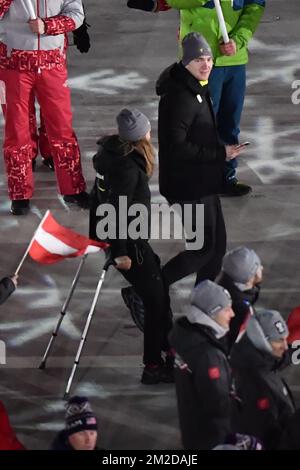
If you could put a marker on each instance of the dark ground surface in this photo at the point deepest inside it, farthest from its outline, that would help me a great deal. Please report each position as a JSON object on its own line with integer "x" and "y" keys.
{"x": 129, "y": 50}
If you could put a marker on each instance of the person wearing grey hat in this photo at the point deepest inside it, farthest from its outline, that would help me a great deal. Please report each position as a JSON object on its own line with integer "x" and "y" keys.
{"x": 192, "y": 158}
{"x": 132, "y": 125}
{"x": 256, "y": 359}
{"x": 203, "y": 379}
{"x": 241, "y": 275}
{"x": 123, "y": 164}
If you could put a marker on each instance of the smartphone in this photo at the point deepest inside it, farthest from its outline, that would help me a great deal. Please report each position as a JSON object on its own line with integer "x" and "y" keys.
{"x": 244, "y": 144}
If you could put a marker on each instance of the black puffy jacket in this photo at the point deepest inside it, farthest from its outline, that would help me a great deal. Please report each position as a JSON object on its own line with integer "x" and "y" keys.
{"x": 204, "y": 386}
{"x": 267, "y": 403}
{"x": 191, "y": 157}
{"x": 242, "y": 301}
{"x": 119, "y": 173}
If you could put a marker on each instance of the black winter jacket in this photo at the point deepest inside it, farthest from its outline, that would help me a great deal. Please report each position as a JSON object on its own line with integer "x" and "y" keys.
{"x": 120, "y": 173}
{"x": 6, "y": 288}
{"x": 241, "y": 303}
{"x": 267, "y": 403}
{"x": 191, "y": 157}
{"x": 203, "y": 386}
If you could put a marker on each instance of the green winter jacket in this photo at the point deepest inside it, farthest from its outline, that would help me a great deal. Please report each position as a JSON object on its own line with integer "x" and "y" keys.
{"x": 241, "y": 17}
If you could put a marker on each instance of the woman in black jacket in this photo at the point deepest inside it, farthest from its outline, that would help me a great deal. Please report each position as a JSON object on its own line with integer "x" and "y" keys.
{"x": 124, "y": 163}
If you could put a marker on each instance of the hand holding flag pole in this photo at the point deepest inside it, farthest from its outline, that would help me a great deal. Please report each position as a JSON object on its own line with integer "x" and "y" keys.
{"x": 30, "y": 244}
{"x": 221, "y": 21}
{"x": 52, "y": 243}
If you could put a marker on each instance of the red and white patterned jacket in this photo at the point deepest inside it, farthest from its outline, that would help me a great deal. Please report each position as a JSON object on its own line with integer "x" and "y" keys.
{"x": 28, "y": 51}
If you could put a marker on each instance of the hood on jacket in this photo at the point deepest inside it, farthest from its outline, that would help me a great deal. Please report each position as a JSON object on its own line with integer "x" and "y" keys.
{"x": 172, "y": 78}
{"x": 196, "y": 316}
{"x": 111, "y": 148}
{"x": 245, "y": 355}
{"x": 186, "y": 337}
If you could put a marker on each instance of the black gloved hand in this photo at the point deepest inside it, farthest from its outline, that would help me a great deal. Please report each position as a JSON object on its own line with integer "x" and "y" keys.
{"x": 81, "y": 38}
{"x": 145, "y": 5}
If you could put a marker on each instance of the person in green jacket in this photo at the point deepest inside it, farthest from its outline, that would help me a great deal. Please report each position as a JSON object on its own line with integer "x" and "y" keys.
{"x": 227, "y": 81}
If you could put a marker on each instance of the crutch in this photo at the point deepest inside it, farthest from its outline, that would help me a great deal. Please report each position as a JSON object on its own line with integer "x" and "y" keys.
{"x": 42, "y": 365}
{"x": 108, "y": 263}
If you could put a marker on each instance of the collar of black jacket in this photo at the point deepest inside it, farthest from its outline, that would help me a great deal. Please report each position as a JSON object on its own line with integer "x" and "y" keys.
{"x": 176, "y": 76}
{"x": 246, "y": 356}
{"x": 110, "y": 148}
{"x": 249, "y": 295}
{"x": 186, "y": 335}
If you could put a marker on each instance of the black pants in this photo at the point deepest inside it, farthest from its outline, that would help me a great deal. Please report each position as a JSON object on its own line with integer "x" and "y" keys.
{"x": 146, "y": 278}
{"x": 207, "y": 261}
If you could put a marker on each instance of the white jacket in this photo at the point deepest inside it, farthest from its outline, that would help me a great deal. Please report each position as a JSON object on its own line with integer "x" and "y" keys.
{"x": 16, "y": 34}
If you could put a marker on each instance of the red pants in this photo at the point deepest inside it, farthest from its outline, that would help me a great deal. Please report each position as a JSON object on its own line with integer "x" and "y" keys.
{"x": 54, "y": 98}
{"x": 39, "y": 138}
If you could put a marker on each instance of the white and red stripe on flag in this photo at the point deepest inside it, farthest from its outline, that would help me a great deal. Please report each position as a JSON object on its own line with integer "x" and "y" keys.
{"x": 53, "y": 243}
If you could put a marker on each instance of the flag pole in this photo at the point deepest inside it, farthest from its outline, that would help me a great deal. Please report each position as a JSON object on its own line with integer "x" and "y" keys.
{"x": 31, "y": 11}
{"x": 221, "y": 21}
{"x": 29, "y": 246}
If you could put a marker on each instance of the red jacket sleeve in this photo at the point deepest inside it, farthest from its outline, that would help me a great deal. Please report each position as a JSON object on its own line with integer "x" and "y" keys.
{"x": 8, "y": 439}
{"x": 4, "y": 7}
{"x": 59, "y": 24}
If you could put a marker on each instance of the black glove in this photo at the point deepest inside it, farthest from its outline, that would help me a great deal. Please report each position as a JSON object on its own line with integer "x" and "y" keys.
{"x": 81, "y": 38}
{"x": 146, "y": 5}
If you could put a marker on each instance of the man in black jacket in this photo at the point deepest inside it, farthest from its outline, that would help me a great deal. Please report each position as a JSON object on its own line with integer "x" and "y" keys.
{"x": 191, "y": 157}
{"x": 267, "y": 403}
{"x": 241, "y": 275}
{"x": 202, "y": 374}
{"x": 7, "y": 287}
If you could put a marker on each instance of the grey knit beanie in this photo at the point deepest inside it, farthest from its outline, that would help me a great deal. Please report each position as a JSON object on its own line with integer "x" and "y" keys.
{"x": 266, "y": 326}
{"x": 272, "y": 324}
{"x": 132, "y": 124}
{"x": 194, "y": 46}
{"x": 240, "y": 264}
{"x": 210, "y": 298}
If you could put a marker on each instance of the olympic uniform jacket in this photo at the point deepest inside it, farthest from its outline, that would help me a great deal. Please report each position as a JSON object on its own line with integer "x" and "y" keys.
{"x": 242, "y": 301}
{"x": 191, "y": 157}
{"x": 121, "y": 173}
{"x": 21, "y": 45}
{"x": 8, "y": 438}
{"x": 204, "y": 385}
{"x": 241, "y": 17}
{"x": 267, "y": 403}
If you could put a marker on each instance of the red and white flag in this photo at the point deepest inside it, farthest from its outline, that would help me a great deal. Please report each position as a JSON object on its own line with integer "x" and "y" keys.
{"x": 53, "y": 242}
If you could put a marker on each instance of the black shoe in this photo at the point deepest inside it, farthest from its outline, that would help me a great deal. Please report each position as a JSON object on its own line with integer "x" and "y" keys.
{"x": 48, "y": 162}
{"x": 33, "y": 163}
{"x": 81, "y": 200}
{"x": 20, "y": 207}
{"x": 236, "y": 189}
{"x": 135, "y": 304}
{"x": 159, "y": 374}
